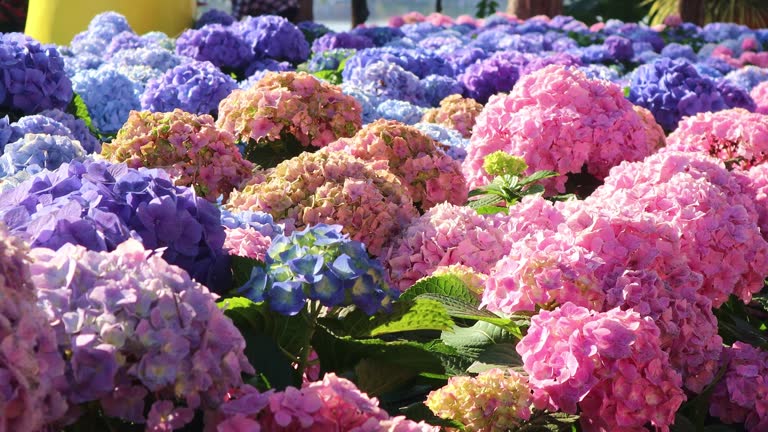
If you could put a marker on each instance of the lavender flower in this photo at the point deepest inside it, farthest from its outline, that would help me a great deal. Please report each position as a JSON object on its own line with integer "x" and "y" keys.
{"x": 274, "y": 37}
{"x": 735, "y": 96}
{"x": 156, "y": 58}
{"x": 260, "y": 221}
{"x": 109, "y": 95}
{"x": 217, "y": 44}
{"x": 676, "y": 50}
{"x": 462, "y": 57}
{"x": 331, "y": 41}
{"x": 195, "y": 87}
{"x": 438, "y": 87}
{"x": 123, "y": 41}
{"x": 389, "y": 81}
{"x": 619, "y": 48}
{"x": 747, "y": 77}
{"x": 78, "y": 129}
{"x": 380, "y": 35}
{"x": 36, "y": 124}
{"x": 402, "y": 111}
{"x": 45, "y": 151}
{"x": 418, "y": 62}
{"x": 450, "y": 138}
{"x": 496, "y": 74}
{"x": 214, "y": 16}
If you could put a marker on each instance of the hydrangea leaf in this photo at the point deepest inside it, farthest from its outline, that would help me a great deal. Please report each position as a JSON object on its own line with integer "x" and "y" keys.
{"x": 376, "y": 377}
{"x": 447, "y": 285}
{"x": 421, "y": 314}
{"x": 473, "y": 341}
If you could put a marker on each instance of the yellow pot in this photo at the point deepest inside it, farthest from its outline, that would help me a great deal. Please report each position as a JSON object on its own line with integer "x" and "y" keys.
{"x": 57, "y": 21}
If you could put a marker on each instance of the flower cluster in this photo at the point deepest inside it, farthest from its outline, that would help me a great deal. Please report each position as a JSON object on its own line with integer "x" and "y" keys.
{"x": 124, "y": 41}
{"x": 447, "y": 234}
{"x": 331, "y": 404}
{"x": 195, "y": 87}
{"x": 217, "y": 44}
{"x": 331, "y": 41}
{"x": 492, "y": 401}
{"x": 109, "y": 96}
{"x": 495, "y": 74}
{"x": 740, "y": 397}
{"x": 77, "y": 129}
{"x": 136, "y": 325}
{"x": 609, "y": 363}
{"x": 274, "y": 37}
{"x": 419, "y": 62}
{"x": 439, "y": 87}
{"x": 429, "y": 175}
{"x": 734, "y": 136}
{"x": 335, "y": 188}
{"x": 760, "y": 95}
{"x": 214, "y": 16}
{"x": 155, "y": 58}
{"x": 288, "y": 105}
{"x": 32, "y": 76}
{"x": 45, "y": 151}
{"x": 401, "y": 111}
{"x": 247, "y": 243}
{"x": 30, "y": 363}
{"x": 319, "y": 263}
{"x": 34, "y": 124}
{"x": 455, "y": 112}
{"x": 388, "y": 80}
{"x": 99, "y": 205}
{"x": 560, "y": 120}
{"x": 186, "y": 145}
{"x": 328, "y": 60}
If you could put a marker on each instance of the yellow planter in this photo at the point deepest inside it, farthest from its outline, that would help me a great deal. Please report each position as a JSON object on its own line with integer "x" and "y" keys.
{"x": 57, "y": 21}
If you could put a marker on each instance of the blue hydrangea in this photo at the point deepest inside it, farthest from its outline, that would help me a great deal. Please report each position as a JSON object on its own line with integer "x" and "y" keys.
{"x": 747, "y": 77}
{"x": 717, "y": 32}
{"x": 156, "y": 58}
{"x": 462, "y": 57}
{"x": 380, "y": 35}
{"x": 418, "y": 62}
{"x": 159, "y": 39}
{"x": 46, "y": 151}
{"x": 139, "y": 75}
{"x": 217, "y": 44}
{"x": 456, "y": 144}
{"x": 6, "y": 130}
{"x": 438, "y": 87}
{"x": 595, "y": 54}
{"x": 718, "y": 63}
{"x": 368, "y": 100}
{"x": 388, "y": 81}
{"x": 708, "y": 71}
{"x": 125, "y": 40}
{"x": 563, "y": 43}
{"x": 32, "y": 76}
{"x": 598, "y": 71}
{"x": 442, "y": 43}
{"x": 328, "y": 60}
{"x": 267, "y": 64}
{"x": 274, "y": 37}
{"x": 672, "y": 89}
{"x": 194, "y": 87}
{"x": 568, "y": 24}
{"x": 676, "y": 50}
{"x": 330, "y": 41}
{"x": 109, "y": 95}
{"x": 312, "y": 30}
{"x": 36, "y": 124}
{"x": 319, "y": 263}
{"x": 260, "y": 221}
{"x": 496, "y": 74}
{"x": 420, "y": 30}
{"x": 85, "y": 43}
{"x": 402, "y": 111}
{"x": 619, "y": 49}
{"x": 107, "y": 25}
{"x": 77, "y": 127}
{"x": 527, "y": 43}
{"x": 214, "y": 16}
{"x": 82, "y": 62}
{"x": 99, "y": 205}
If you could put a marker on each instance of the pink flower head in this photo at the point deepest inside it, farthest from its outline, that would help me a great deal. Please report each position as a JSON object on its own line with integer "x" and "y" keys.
{"x": 429, "y": 174}
{"x": 446, "y": 234}
{"x": 609, "y": 363}
{"x": 455, "y": 112}
{"x": 735, "y": 135}
{"x": 439, "y": 19}
{"x": 560, "y": 120}
{"x": 246, "y": 242}
{"x": 188, "y": 146}
{"x": 741, "y": 396}
{"x": 673, "y": 20}
{"x": 759, "y": 94}
{"x": 333, "y": 188}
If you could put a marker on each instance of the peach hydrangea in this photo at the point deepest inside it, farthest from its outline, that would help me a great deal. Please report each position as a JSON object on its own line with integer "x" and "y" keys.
{"x": 735, "y": 135}
{"x": 429, "y": 174}
{"x": 560, "y": 120}
{"x": 333, "y": 188}
{"x": 455, "y": 112}
{"x": 188, "y": 146}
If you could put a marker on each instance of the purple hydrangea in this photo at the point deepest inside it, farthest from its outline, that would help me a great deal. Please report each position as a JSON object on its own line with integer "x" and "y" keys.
{"x": 619, "y": 48}
{"x": 671, "y": 89}
{"x": 123, "y": 41}
{"x": 379, "y": 35}
{"x": 81, "y": 62}
{"x": 156, "y": 58}
{"x": 109, "y": 95}
{"x": 107, "y": 25}
{"x": 402, "y": 111}
{"x": 274, "y": 37}
{"x": 217, "y": 44}
{"x": 735, "y": 96}
{"x": 262, "y": 222}
{"x": 496, "y": 74}
{"x": 214, "y": 16}
{"x": 195, "y": 87}
{"x": 418, "y": 62}
{"x": 138, "y": 331}
{"x": 676, "y": 50}
{"x": 603, "y": 72}
{"x": 747, "y": 77}
{"x": 99, "y": 205}
{"x": 35, "y": 124}
{"x": 462, "y": 57}
{"x": 313, "y": 30}
{"x": 368, "y": 100}
{"x": 32, "y": 77}
{"x": 6, "y": 130}
{"x": 265, "y": 65}
{"x": 331, "y": 41}
{"x": 442, "y": 43}
{"x": 717, "y": 32}
{"x": 451, "y": 138}
{"x": 45, "y": 151}
{"x": 438, "y": 87}
{"x": 319, "y": 263}
{"x": 419, "y": 30}
{"x": 388, "y": 81}
{"x": 79, "y": 130}
{"x": 537, "y": 63}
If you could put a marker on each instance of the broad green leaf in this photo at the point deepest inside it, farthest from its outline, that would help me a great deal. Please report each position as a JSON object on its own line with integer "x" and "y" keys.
{"x": 447, "y": 285}
{"x": 458, "y": 308}
{"x": 241, "y": 270}
{"x": 419, "y": 314}
{"x": 377, "y": 376}
{"x": 486, "y": 210}
{"x": 78, "y": 108}
{"x": 538, "y": 175}
{"x": 485, "y": 200}
{"x": 472, "y": 341}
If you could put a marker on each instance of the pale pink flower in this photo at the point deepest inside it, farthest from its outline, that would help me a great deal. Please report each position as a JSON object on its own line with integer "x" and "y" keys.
{"x": 760, "y": 95}
{"x": 246, "y": 242}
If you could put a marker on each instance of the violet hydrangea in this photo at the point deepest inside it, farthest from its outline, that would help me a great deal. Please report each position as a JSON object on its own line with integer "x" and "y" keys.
{"x": 740, "y": 397}
{"x": 274, "y": 37}
{"x": 495, "y": 74}
{"x": 45, "y": 151}
{"x": 217, "y": 44}
{"x": 195, "y": 87}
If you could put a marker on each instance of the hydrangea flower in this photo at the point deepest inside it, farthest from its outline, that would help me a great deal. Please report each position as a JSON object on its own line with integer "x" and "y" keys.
{"x": 214, "y": 16}
{"x": 328, "y": 60}
{"x": 136, "y": 325}
{"x": 99, "y": 205}
{"x": 459, "y": 59}
{"x": 313, "y": 30}
{"x": 455, "y": 112}
{"x": 429, "y": 175}
{"x": 195, "y": 87}
{"x": 388, "y": 81}
{"x": 401, "y": 111}
{"x": 747, "y": 77}
{"x": 77, "y": 127}
{"x": 274, "y": 37}
{"x": 187, "y": 146}
{"x": 319, "y": 263}
{"x": 156, "y": 58}
{"x": 45, "y": 151}
{"x": 755, "y": 184}
{"x": 450, "y": 139}
{"x": 609, "y": 363}
{"x": 760, "y": 95}
{"x": 560, "y": 120}
{"x": 334, "y": 188}
{"x": 30, "y": 363}
{"x": 444, "y": 235}
{"x": 734, "y": 96}
{"x": 259, "y": 221}
{"x": 125, "y": 40}
{"x": 417, "y": 61}
{"x": 493, "y": 400}
{"x": 288, "y": 106}
{"x": 247, "y": 243}
{"x": 332, "y": 40}
{"x": 740, "y": 396}
{"x": 537, "y": 63}
{"x": 32, "y": 76}
{"x": 35, "y": 124}
{"x": 109, "y": 95}
{"x": 734, "y": 136}
{"x": 495, "y": 74}
{"x": 217, "y": 44}
{"x": 438, "y": 87}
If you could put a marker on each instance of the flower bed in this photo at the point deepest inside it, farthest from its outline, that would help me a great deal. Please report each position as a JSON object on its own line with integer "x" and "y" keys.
{"x": 459, "y": 224}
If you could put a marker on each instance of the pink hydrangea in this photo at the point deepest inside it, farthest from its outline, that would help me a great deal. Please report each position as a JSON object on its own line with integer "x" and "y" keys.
{"x": 429, "y": 174}
{"x": 446, "y": 234}
{"x": 246, "y": 242}
{"x": 741, "y": 396}
{"x": 495, "y": 400}
{"x": 755, "y": 182}
{"x": 455, "y": 112}
{"x": 186, "y": 145}
{"x": 609, "y": 363}
{"x": 31, "y": 367}
{"x": 712, "y": 212}
{"x": 286, "y": 105}
{"x": 759, "y": 94}
{"x": 560, "y": 120}
{"x": 333, "y": 188}
{"x": 544, "y": 269}
{"x": 735, "y": 135}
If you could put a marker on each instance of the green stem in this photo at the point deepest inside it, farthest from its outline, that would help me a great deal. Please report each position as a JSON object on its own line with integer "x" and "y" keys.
{"x": 310, "y": 315}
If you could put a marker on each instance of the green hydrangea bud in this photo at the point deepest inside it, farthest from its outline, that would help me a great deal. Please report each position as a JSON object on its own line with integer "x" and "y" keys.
{"x": 501, "y": 163}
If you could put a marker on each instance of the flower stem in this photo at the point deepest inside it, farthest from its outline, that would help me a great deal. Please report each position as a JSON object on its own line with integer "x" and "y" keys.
{"x": 310, "y": 315}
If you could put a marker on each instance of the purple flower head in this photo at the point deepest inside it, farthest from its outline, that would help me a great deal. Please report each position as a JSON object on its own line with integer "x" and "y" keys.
{"x": 331, "y": 41}
{"x": 312, "y": 30}
{"x": 388, "y": 81}
{"x": 537, "y": 63}
{"x": 32, "y": 77}
{"x": 109, "y": 95}
{"x": 598, "y": 71}
{"x": 6, "y": 130}
{"x": 274, "y": 37}
{"x": 735, "y": 96}
{"x": 36, "y": 124}
{"x": 420, "y": 30}
{"x": 265, "y": 65}
{"x": 45, "y": 151}
{"x": 99, "y": 205}
{"x": 123, "y": 41}
{"x": 260, "y": 221}
{"x": 438, "y": 87}
{"x": 195, "y": 87}
{"x": 379, "y": 35}
{"x": 77, "y": 127}
{"x": 156, "y": 58}
{"x": 108, "y": 25}
{"x": 442, "y": 43}
{"x": 747, "y": 77}
{"x": 619, "y": 48}
{"x": 676, "y": 50}
{"x": 417, "y": 61}
{"x": 717, "y": 32}
{"x": 461, "y": 58}
{"x": 217, "y": 44}
{"x": 496, "y": 74}
{"x": 214, "y": 16}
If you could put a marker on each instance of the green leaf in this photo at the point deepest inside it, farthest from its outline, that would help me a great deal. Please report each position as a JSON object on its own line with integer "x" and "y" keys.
{"x": 626, "y": 91}
{"x": 376, "y": 376}
{"x": 536, "y": 189}
{"x": 538, "y": 175}
{"x": 486, "y": 210}
{"x": 419, "y": 314}
{"x": 241, "y": 270}
{"x": 78, "y": 108}
{"x": 332, "y": 76}
{"x": 546, "y": 421}
{"x": 420, "y": 412}
{"x": 447, "y": 285}
{"x": 471, "y": 342}
{"x": 485, "y": 200}
{"x": 458, "y": 308}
